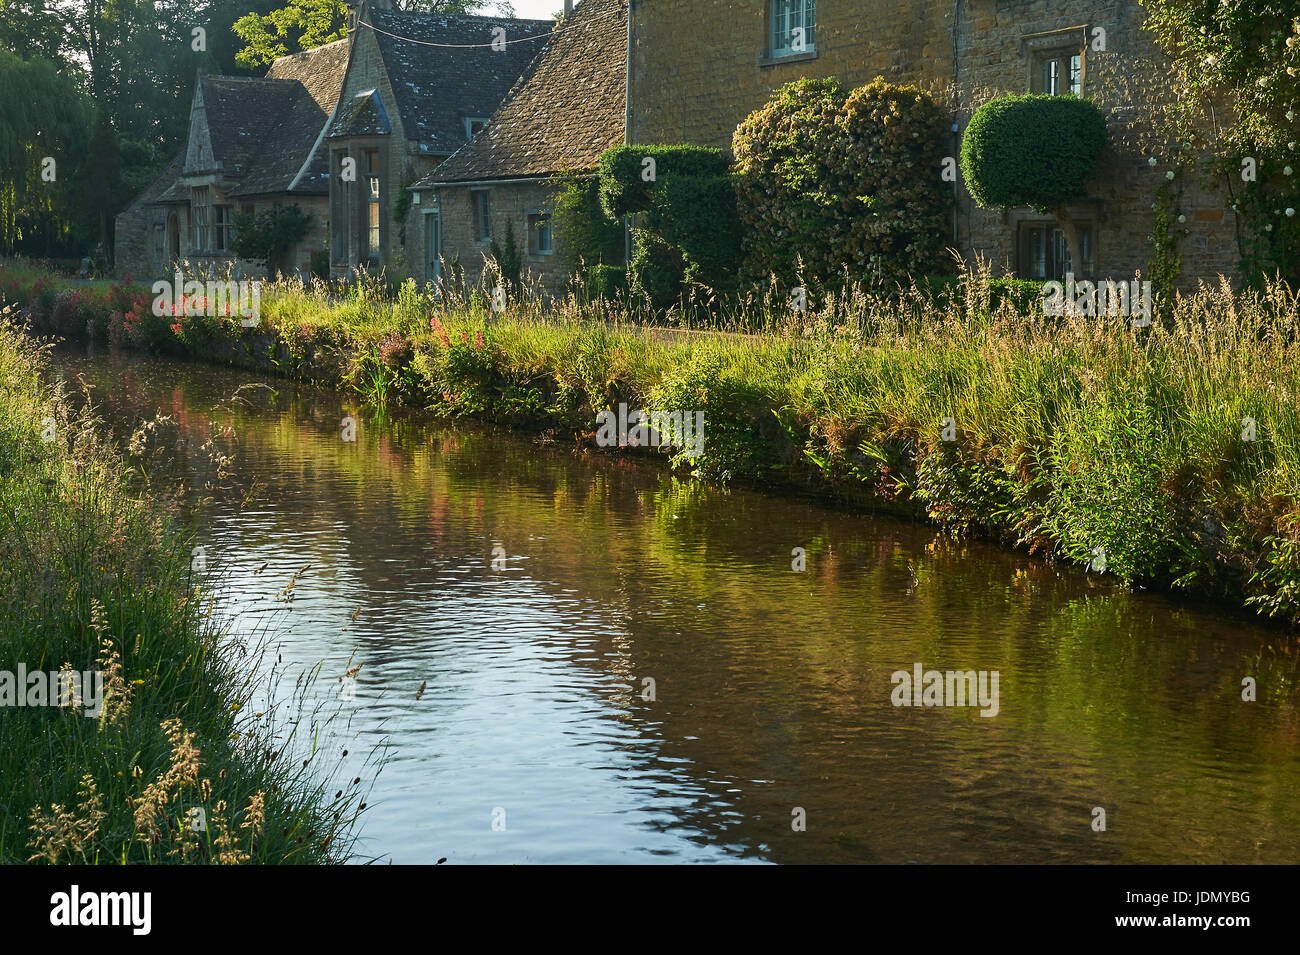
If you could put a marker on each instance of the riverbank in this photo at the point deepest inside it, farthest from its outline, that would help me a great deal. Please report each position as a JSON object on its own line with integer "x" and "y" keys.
{"x": 1168, "y": 456}
{"x": 148, "y": 753}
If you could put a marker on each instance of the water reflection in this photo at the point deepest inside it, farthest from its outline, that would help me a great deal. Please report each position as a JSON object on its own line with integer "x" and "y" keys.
{"x": 771, "y": 686}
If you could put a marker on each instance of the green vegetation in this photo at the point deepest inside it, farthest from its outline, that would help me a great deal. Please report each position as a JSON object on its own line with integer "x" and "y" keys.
{"x": 841, "y": 187}
{"x": 267, "y": 235}
{"x": 1245, "y": 54}
{"x": 94, "y": 576}
{"x": 687, "y": 229}
{"x": 1035, "y": 150}
{"x": 1173, "y": 450}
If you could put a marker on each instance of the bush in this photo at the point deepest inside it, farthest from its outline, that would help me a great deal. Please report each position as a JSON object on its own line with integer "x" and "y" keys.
{"x": 658, "y": 269}
{"x": 624, "y": 191}
{"x": 836, "y": 186}
{"x": 267, "y": 235}
{"x": 606, "y": 281}
{"x": 1025, "y": 295}
{"x": 1032, "y": 150}
{"x": 697, "y": 215}
{"x": 583, "y": 232}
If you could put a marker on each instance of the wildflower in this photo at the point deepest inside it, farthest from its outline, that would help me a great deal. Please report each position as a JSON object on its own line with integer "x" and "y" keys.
{"x": 1169, "y": 174}
{"x": 1151, "y": 161}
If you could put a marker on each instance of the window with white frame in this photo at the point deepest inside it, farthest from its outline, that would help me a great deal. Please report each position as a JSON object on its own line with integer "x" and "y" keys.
{"x": 1057, "y": 72}
{"x": 794, "y": 25}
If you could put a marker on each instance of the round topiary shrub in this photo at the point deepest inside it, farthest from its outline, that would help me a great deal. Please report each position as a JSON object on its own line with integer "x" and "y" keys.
{"x": 1032, "y": 150}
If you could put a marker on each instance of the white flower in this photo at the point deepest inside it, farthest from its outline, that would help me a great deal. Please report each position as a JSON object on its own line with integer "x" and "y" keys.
{"x": 1151, "y": 161}
{"x": 1290, "y": 146}
{"x": 1289, "y": 212}
{"x": 1182, "y": 218}
{"x": 1287, "y": 170}
{"x": 1169, "y": 174}
{"x": 1269, "y": 227}
{"x": 1153, "y": 205}
{"x": 1290, "y": 115}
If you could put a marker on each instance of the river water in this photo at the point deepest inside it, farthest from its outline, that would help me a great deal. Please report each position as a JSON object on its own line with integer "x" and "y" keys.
{"x": 533, "y": 590}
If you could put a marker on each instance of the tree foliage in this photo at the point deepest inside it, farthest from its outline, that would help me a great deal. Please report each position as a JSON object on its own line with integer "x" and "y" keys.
{"x": 1035, "y": 150}
{"x": 267, "y": 235}
{"x": 1245, "y": 54}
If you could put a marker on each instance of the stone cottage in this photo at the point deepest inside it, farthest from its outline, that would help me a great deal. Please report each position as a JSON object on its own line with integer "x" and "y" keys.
{"x": 338, "y": 131}
{"x": 697, "y": 67}
{"x": 565, "y": 111}
{"x": 418, "y": 86}
{"x": 253, "y": 143}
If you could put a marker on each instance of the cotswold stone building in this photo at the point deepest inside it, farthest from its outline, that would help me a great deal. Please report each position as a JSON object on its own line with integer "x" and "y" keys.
{"x": 474, "y": 118}
{"x": 253, "y": 143}
{"x": 566, "y": 110}
{"x": 700, "y": 66}
{"x": 339, "y": 131}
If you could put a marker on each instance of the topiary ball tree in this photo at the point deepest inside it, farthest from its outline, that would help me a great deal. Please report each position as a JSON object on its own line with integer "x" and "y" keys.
{"x": 1037, "y": 151}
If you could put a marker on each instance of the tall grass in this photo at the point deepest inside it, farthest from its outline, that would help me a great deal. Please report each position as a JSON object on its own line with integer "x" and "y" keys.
{"x": 95, "y": 577}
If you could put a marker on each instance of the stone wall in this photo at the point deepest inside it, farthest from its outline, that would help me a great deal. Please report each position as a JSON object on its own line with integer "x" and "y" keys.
{"x": 700, "y": 66}
{"x": 508, "y": 203}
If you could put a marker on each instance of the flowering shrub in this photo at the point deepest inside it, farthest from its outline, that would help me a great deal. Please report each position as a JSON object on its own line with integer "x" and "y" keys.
{"x": 837, "y": 186}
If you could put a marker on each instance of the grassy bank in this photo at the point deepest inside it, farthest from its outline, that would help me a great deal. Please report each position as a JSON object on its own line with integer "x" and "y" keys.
{"x": 95, "y": 578}
{"x": 1167, "y": 455}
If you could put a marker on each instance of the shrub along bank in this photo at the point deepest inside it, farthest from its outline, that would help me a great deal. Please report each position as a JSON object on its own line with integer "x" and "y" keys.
{"x": 153, "y": 760}
{"x": 1167, "y": 455}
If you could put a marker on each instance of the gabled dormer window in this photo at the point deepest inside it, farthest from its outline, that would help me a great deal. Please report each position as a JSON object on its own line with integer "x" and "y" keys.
{"x": 473, "y": 124}
{"x": 794, "y": 23}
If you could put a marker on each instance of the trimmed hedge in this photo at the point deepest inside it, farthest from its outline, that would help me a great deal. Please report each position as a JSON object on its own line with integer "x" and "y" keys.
{"x": 623, "y": 192}
{"x": 1032, "y": 150}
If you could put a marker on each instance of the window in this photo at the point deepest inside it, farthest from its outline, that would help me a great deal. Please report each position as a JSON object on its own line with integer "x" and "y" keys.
{"x": 482, "y": 215}
{"x": 225, "y": 233}
{"x": 372, "y": 167}
{"x": 793, "y": 24}
{"x": 201, "y": 218}
{"x": 472, "y": 125}
{"x": 1043, "y": 254}
{"x": 539, "y": 232}
{"x": 1058, "y": 72}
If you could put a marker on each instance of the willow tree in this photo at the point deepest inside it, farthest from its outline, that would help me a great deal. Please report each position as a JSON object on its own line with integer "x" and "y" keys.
{"x": 1037, "y": 151}
{"x": 44, "y": 120}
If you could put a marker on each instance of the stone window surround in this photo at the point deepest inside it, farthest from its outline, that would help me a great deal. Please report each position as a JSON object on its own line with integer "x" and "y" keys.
{"x": 1073, "y": 40}
{"x": 1092, "y": 216}
{"x": 765, "y": 57}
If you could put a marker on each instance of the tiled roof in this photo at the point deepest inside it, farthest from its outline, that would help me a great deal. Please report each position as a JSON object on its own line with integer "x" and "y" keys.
{"x": 313, "y": 81}
{"x": 566, "y": 111}
{"x": 438, "y": 87}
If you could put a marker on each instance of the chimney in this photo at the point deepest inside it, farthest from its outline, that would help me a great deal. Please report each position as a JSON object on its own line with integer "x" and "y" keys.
{"x": 568, "y": 9}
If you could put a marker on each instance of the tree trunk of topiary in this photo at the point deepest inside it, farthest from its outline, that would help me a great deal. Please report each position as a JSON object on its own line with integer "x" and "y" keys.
{"x": 1072, "y": 244}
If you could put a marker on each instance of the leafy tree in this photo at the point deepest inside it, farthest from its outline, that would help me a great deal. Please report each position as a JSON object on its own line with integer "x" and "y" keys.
{"x": 267, "y": 235}
{"x": 302, "y": 25}
{"x": 1035, "y": 150}
{"x": 1245, "y": 53}
{"x": 42, "y": 114}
